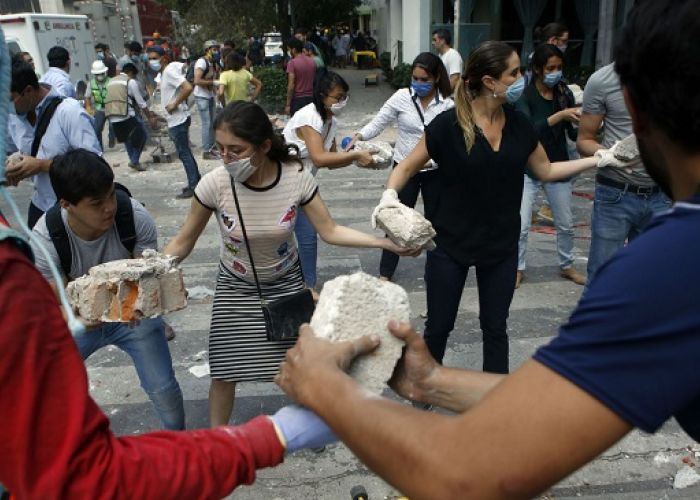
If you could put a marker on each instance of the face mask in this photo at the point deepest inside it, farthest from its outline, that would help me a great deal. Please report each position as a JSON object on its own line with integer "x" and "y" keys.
{"x": 421, "y": 89}
{"x": 155, "y": 65}
{"x": 100, "y": 78}
{"x": 514, "y": 90}
{"x": 100, "y": 55}
{"x": 240, "y": 169}
{"x": 551, "y": 79}
{"x": 563, "y": 48}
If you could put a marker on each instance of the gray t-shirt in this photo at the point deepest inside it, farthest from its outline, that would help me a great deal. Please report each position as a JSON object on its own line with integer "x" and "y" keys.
{"x": 87, "y": 254}
{"x": 603, "y": 96}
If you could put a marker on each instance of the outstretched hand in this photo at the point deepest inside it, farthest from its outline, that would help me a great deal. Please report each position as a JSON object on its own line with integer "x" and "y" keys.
{"x": 416, "y": 366}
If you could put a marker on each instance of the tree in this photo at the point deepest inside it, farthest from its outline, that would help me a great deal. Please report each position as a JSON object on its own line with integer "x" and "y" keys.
{"x": 309, "y": 13}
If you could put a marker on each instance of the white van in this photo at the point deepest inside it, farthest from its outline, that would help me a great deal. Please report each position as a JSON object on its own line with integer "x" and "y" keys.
{"x": 37, "y": 33}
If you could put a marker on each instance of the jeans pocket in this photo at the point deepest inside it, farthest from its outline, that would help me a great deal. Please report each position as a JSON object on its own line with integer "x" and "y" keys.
{"x": 607, "y": 195}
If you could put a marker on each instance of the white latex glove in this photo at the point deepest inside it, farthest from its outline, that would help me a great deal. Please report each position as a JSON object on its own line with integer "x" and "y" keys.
{"x": 389, "y": 199}
{"x": 606, "y": 158}
{"x": 300, "y": 428}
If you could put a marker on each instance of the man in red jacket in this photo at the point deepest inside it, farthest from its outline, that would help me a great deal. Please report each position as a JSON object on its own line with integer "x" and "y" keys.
{"x": 56, "y": 443}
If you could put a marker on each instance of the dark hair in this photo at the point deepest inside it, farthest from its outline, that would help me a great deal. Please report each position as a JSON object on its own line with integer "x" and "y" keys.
{"x": 295, "y": 44}
{"x": 135, "y": 47}
{"x": 665, "y": 92}
{"x": 434, "y": 66}
{"x": 80, "y": 174}
{"x": 57, "y": 56}
{"x": 233, "y": 61}
{"x": 540, "y": 57}
{"x": 301, "y": 31}
{"x": 249, "y": 121}
{"x": 230, "y": 43}
{"x": 444, "y": 34}
{"x": 23, "y": 76}
{"x": 100, "y": 46}
{"x": 487, "y": 59}
{"x": 550, "y": 30}
{"x": 130, "y": 68}
{"x": 157, "y": 49}
{"x": 325, "y": 82}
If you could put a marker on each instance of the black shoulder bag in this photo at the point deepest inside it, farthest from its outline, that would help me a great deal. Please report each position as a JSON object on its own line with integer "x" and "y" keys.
{"x": 283, "y": 317}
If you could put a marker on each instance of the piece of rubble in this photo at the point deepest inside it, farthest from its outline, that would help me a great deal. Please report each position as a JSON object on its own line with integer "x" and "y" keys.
{"x": 129, "y": 289}
{"x": 354, "y": 305}
{"x": 577, "y": 92}
{"x": 383, "y": 156}
{"x": 406, "y": 227}
{"x": 15, "y": 157}
{"x": 627, "y": 149}
{"x": 685, "y": 477}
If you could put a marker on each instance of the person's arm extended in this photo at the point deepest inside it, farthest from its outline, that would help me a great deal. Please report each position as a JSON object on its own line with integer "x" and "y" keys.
{"x": 388, "y": 113}
{"x": 530, "y": 431}
{"x": 221, "y": 94}
{"x": 334, "y": 234}
{"x": 322, "y": 158}
{"x": 588, "y": 128}
{"x": 410, "y": 165}
{"x": 548, "y": 172}
{"x": 183, "y": 243}
{"x": 290, "y": 92}
{"x": 200, "y": 80}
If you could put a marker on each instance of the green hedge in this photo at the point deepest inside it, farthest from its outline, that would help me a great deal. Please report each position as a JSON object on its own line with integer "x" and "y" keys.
{"x": 385, "y": 64}
{"x": 274, "y": 90}
{"x": 401, "y": 76}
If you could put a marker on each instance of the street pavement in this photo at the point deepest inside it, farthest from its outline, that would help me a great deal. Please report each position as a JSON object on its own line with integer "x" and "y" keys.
{"x": 639, "y": 467}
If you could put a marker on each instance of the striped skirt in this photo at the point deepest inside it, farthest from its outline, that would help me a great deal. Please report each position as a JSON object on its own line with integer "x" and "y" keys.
{"x": 238, "y": 346}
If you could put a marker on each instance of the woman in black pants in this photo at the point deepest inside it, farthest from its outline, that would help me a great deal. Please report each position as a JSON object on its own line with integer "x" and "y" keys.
{"x": 482, "y": 147}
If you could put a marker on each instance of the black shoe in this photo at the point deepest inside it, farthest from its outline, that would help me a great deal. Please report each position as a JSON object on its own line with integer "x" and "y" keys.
{"x": 186, "y": 193}
{"x": 111, "y": 142}
{"x": 139, "y": 167}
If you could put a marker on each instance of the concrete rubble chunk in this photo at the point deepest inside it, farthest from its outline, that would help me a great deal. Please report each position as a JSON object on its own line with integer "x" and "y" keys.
{"x": 577, "y": 91}
{"x": 129, "y": 289}
{"x": 383, "y": 156}
{"x": 406, "y": 227}
{"x": 685, "y": 477}
{"x": 354, "y": 305}
{"x": 627, "y": 149}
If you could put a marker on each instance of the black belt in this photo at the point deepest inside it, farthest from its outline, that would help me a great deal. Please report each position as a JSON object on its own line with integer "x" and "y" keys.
{"x": 625, "y": 186}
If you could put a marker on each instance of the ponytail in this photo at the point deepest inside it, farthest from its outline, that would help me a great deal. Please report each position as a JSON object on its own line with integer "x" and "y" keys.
{"x": 465, "y": 113}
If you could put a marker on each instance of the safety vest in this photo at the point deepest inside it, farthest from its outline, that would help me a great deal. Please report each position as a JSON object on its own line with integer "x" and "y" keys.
{"x": 99, "y": 92}
{"x": 117, "y": 98}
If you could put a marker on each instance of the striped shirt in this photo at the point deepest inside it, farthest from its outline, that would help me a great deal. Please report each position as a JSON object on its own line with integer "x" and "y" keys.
{"x": 269, "y": 214}
{"x": 400, "y": 107}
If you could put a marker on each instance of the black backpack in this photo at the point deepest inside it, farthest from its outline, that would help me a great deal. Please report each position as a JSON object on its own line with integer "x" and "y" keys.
{"x": 189, "y": 76}
{"x": 124, "y": 219}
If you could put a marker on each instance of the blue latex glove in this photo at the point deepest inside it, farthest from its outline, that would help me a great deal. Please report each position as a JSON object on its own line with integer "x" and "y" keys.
{"x": 301, "y": 428}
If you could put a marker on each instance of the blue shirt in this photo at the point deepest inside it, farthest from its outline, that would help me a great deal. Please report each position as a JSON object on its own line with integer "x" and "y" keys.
{"x": 59, "y": 80}
{"x": 70, "y": 128}
{"x": 633, "y": 342}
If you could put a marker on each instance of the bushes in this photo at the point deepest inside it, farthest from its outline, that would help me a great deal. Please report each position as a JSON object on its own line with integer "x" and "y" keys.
{"x": 578, "y": 74}
{"x": 274, "y": 91}
{"x": 385, "y": 64}
{"x": 401, "y": 76}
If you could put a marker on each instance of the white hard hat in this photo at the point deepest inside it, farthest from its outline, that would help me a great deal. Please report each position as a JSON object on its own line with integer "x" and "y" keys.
{"x": 98, "y": 68}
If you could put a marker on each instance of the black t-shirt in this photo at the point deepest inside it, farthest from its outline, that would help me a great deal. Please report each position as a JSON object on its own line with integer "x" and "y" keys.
{"x": 477, "y": 217}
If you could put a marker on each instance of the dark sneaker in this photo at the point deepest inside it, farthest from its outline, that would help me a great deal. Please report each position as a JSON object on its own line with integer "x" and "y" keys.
{"x": 186, "y": 193}
{"x": 211, "y": 155}
{"x": 139, "y": 167}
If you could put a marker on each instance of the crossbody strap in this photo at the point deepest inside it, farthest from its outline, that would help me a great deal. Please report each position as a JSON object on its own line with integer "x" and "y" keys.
{"x": 414, "y": 98}
{"x": 245, "y": 238}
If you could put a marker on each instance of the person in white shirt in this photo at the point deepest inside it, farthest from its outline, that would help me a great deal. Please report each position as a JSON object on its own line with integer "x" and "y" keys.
{"x": 442, "y": 39}
{"x": 412, "y": 108}
{"x": 204, "y": 76}
{"x": 174, "y": 91}
{"x": 58, "y": 74}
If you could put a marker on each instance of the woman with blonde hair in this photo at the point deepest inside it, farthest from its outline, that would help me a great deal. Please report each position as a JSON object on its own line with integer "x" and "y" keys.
{"x": 483, "y": 147}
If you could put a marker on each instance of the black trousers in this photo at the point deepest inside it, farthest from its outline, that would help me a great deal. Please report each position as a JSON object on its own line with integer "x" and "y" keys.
{"x": 445, "y": 278}
{"x": 299, "y": 102}
{"x": 427, "y": 184}
{"x": 34, "y": 214}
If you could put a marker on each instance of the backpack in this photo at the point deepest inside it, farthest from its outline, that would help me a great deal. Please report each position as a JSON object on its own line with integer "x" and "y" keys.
{"x": 189, "y": 76}
{"x": 124, "y": 219}
{"x": 116, "y": 102}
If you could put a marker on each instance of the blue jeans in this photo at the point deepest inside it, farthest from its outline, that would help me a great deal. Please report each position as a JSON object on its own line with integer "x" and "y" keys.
{"x": 618, "y": 215}
{"x": 205, "y": 105}
{"x": 180, "y": 135}
{"x": 559, "y": 196}
{"x": 99, "y": 125}
{"x": 444, "y": 280}
{"x": 148, "y": 348}
{"x": 136, "y": 141}
{"x": 307, "y": 240}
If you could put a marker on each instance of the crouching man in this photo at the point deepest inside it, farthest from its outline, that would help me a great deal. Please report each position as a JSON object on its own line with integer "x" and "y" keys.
{"x": 97, "y": 221}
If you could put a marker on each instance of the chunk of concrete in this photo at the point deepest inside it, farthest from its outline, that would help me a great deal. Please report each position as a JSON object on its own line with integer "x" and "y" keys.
{"x": 577, "y": 91}
{"x": 383, "y": 156}
{"x": 627, "y": 149}
{"x": 354, "y": 305}
{"x": 685, "y": 477}
{"x": 406, "y": 227}
{"x": 129, "y": 289}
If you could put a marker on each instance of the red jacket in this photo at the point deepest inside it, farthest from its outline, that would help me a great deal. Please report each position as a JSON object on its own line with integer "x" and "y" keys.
{"x": 56, "y": 443}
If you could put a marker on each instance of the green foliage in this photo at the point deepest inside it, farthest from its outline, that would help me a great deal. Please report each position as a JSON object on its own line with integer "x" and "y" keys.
{"x": 309, "y": 13}
{"x": 401, "y": 76}
{"x": 578, "y": 74}
{"x": 385, "y": 64}
{"x": 274, "y": 91}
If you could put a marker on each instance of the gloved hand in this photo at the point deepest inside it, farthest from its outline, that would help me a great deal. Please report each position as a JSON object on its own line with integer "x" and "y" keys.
{"x": 301, "y": 429}
{"x": 389, "y": 199}
{"x": 606, "y": 158}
